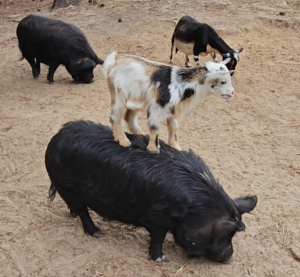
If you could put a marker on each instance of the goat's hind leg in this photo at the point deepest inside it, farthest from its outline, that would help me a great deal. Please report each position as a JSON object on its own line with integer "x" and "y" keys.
{"x": 117, "y": 111}
{"x": 131, "y": 119}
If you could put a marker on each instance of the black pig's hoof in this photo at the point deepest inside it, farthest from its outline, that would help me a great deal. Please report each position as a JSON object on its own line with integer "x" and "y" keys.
{"x": 93, "y": 232}
{"x": 96, "y": 235}
{"x": 162, "y": 259}
{"x": 73, "y": 214}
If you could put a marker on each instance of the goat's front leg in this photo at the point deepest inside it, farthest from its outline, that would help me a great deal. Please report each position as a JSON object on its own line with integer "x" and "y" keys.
{"x": 153, "y": 145}
{"x": 172, "y": 49}
{"x": 131, "y": 119}
{"x": 214, "y": 56}
{"x": 187, "y": 61}
{"x": 196, "y": 59}
{"x": 172, "y": 127}
{"x": 154, "y": 129}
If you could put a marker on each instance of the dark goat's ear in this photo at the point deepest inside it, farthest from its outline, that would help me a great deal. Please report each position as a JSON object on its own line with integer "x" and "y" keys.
{"x": 226, "y": 61}
{"x": 246, "y": 204}
{"x": 226, "y": 55}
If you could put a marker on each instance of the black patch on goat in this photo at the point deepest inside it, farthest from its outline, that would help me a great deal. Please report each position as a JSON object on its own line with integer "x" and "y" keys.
{"x": 154, "y": 127}
{"x": 163, "y": 77}
{"x": 188, "y": 74}
{"x": 188, "y": 92}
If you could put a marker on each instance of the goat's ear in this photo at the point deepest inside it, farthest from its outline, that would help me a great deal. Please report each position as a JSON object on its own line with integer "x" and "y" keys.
{"x": 226, "y": 61}
{"x": 227, "y": 55}
{"x": 246, "y": 204}
{"x": 212, "y": 66}
{"x": 239, "y": 50}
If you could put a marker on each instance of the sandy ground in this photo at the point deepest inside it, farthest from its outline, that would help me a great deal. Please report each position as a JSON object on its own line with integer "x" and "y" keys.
{"x": 251, "y": 143}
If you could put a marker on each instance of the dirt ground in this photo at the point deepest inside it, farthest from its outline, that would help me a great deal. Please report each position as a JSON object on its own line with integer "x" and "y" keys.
{"x": 251, "y": 143}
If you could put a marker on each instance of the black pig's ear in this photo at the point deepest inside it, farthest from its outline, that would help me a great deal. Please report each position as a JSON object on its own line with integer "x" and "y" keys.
{"x": 246, "y": 204}
{"x": 87, "y": 64}
{"x": 225, "y": 228}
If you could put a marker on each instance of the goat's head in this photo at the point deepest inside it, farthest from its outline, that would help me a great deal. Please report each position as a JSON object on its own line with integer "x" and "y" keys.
{"x": 234, "y": 58}
{"x": 218, "y": 79}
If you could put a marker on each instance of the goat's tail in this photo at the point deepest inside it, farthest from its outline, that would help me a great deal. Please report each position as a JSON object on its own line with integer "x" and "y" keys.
{"x": 51, "y": 193}
{"x": 109, "y": 62}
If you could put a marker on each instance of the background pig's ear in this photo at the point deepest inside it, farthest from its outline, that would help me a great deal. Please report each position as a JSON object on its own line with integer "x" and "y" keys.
{"x": 246, "y": 204}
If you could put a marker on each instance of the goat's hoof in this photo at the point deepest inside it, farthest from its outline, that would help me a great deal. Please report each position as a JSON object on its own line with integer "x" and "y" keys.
{"x": 188, "y": 65}
{"x": 153, "y": 150}
{"x": 176, "y": 146}
{"x": 125, "y": 143}
{"x": 170, "y": 61}
{"x": 136, "y": 131}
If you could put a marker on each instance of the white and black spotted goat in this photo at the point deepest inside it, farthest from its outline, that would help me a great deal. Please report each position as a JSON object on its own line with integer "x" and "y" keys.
{"x": 164, "y": 91}
{"x": 194, "y": 38}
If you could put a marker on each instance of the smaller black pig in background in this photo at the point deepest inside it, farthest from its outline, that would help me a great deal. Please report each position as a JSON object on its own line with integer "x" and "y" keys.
{"x": 173, "y": 191}
{"x": 54, "y": 42}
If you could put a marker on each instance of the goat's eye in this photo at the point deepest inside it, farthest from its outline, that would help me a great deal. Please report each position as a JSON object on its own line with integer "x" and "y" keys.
{"x": 223, "y": 82}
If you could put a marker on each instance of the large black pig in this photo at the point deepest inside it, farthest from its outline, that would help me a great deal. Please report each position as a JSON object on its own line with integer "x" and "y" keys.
{"x": 173, "y": 191}
{"x": 54, "y": 42}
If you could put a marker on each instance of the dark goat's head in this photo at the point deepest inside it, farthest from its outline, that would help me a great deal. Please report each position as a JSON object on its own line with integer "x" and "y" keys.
{"x": 234, "y": 56}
